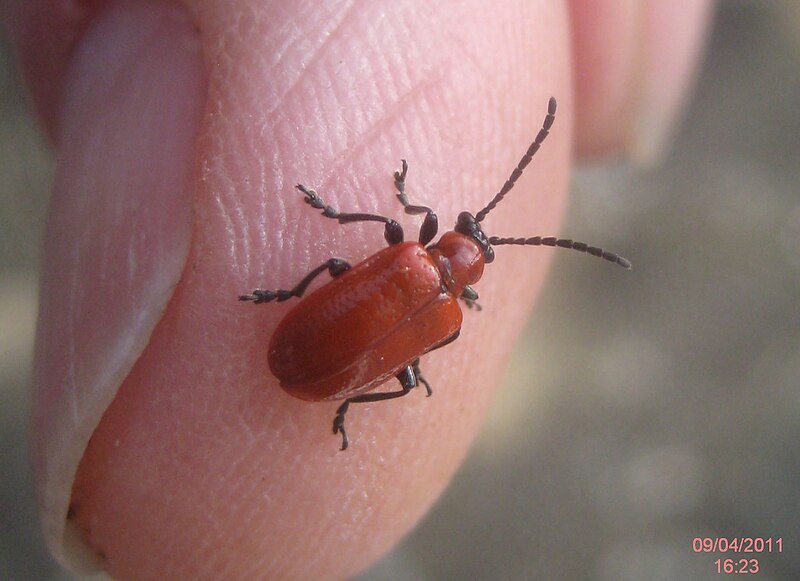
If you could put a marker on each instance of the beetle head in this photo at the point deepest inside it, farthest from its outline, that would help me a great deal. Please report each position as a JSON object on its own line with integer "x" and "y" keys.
{"x": 469, "y": 226}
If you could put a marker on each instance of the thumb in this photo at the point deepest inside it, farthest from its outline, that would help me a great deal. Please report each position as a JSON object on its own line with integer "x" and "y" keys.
{"x": 201, "y": 466}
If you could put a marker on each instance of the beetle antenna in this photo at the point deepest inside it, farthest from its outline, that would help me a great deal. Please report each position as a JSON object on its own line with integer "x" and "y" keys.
{"x": 563, "y": 243}
{"x": 523, "y": 163}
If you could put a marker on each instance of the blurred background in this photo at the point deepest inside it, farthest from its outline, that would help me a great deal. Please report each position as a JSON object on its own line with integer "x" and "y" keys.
{"x": 641, "y": 410}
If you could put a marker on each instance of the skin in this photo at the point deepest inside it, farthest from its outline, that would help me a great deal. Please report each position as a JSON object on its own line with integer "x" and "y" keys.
{"x": 634, "y": 62}
{"x": 155, "y": 416}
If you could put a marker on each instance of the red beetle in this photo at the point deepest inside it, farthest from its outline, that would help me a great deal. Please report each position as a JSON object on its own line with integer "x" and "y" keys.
{"x": 374, "y": 320}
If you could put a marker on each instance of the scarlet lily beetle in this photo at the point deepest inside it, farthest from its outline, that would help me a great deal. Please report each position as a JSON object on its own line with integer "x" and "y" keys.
{"x": 375, "y": 320}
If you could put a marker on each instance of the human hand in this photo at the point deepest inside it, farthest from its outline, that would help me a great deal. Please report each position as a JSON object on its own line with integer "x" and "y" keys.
{"x": 180, "y": 138}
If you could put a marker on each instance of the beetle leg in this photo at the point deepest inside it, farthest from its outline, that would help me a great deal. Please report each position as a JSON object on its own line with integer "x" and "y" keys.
{"x": 335, "y": 266}
{"x": 469, "y": 295}
{"x": 393, "y": 232}
{"x": 418, "y": 373}
{"x": 430, "y": 225}
{"x": 408, "y": 381}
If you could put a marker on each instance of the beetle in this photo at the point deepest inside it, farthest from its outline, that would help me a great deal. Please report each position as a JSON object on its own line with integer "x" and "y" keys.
{"x": 373, "y": 321}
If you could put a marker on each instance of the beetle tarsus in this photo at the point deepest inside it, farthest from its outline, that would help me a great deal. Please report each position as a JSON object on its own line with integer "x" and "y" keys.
{"x": 430, "y": 226}
{"x": 472, "y": 304}
{"x": 408, "y": 381}
{"x": 335, "y": 266}
{"x": 469, "y": 295}
{"x": 260, "y": 296}
{"x": 400, "y": 176}
{"x": 421, "y": 379}
{"x": 338, "y": 424}
{"x": 393, "y": 232}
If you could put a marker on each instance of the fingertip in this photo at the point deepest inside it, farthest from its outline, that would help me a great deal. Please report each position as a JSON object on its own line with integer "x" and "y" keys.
{"x": 633, "y": 67}
{"x": 678, "y": 35}
{"x": 201, "y": 447}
